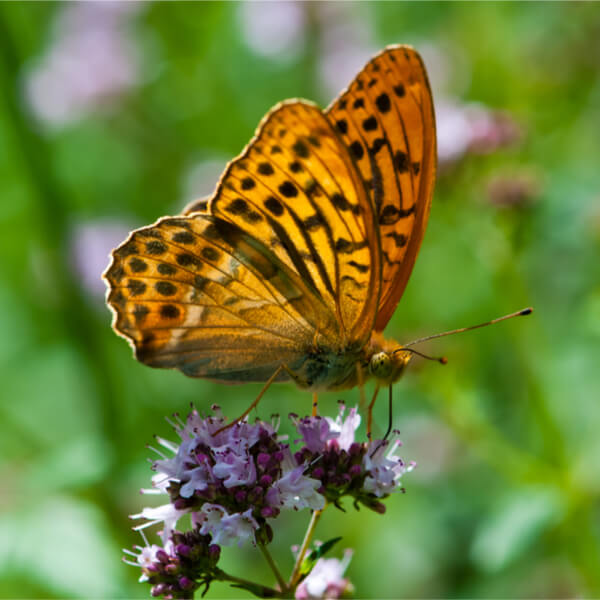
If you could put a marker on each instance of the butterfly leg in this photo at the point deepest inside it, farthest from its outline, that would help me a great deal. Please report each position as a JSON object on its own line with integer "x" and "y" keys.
{"x": 390, "y": 416}
{"x": 258, "y": 398}
{"x": 370, "y": 414}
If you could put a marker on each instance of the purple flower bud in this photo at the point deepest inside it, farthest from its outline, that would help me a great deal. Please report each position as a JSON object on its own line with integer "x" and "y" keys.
{"x": 240, "y": 496}
{"x": 183, "y": 549}
{"x": 185, "y": 583}
{"x": 355, "y": 449}
{"x": 159, "y": 589}
{"x": 255, "y": 493}
{"x": 355, "y": 470}
{"x": 378, "y": 507}
{"x": 180, "y": 503}
{"x": 214, "y": 551}
{"x": 162, "y": 556}
{"x": 266, "y": 480}
{"x": 278, "y": 456}
{"x": 267, "y": 512}
{"x": 263, "y": 459}
{"x": 172, "y": 568}
{"x": 318, "y": 473}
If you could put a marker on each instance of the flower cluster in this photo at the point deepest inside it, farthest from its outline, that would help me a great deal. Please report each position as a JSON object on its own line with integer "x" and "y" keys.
{"x": 365, "y": 471}
{"x": 231, "y": 480}
{"x": 187, "y": 562}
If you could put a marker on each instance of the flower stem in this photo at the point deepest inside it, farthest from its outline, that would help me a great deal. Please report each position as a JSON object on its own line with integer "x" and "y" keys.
{"x": 295, "y": 576}
{"x": 269, "y": 559}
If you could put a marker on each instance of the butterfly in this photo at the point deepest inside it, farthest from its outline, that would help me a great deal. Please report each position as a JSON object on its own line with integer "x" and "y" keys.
{"x": 291, "y": 270}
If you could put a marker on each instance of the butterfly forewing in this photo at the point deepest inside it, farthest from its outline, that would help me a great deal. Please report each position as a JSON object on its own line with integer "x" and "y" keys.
{"x": 198, "y": 294}
{"x": 295, "y": 188}
{"x": 385, "y": 119}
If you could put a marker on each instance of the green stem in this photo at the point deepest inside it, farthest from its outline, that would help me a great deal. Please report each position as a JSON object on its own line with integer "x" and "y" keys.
{"x": 295, "y": 576}
{"x": 269, "y": 559}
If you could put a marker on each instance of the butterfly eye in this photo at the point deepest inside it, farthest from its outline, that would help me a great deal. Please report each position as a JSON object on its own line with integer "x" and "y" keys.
{"x": 381, "y": 365}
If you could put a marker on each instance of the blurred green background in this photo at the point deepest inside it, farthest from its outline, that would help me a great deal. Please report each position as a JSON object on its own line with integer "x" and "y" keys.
{"x": 112, "y": 115}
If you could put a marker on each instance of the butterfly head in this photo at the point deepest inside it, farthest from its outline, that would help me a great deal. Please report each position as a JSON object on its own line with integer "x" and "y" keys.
{"x": 387, "y": 367}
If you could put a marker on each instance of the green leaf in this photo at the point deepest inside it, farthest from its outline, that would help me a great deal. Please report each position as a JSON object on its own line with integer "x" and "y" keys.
{"x": 314, "y": 555}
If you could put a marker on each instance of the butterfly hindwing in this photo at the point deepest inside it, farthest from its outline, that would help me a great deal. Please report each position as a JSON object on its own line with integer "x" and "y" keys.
{"x": 385, "y": 119}
{"x": 198, "y": 294}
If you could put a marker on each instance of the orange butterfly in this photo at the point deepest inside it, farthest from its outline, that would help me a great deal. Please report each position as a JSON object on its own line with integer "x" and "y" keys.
{"x": 292, "y": 269}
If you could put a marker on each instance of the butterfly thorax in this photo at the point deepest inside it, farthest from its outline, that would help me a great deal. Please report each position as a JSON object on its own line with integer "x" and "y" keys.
{"x": 331, "y": 369}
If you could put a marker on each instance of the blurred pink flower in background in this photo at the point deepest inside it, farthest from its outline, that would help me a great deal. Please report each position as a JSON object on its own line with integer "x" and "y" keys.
{"x": 91, "y": 245}
{"x": 91, "y": 59}
{"x": 464, "y": 128}
{"x": 273, "y": 29}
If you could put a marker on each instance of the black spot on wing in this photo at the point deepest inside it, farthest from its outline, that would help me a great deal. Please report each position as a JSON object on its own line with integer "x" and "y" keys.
{"x": 169, "y": 311}
{"x": 340, "y": 201}
{"x": 248, "y": 183}
{"x": 165, "y": 288}
{"x": 401, "y": 161}
{"x": 183, "y": 237}
{"x": 185, "y": 259}
{"x": 137, "y": 265}
{"x": 117, "y": 273}
{"x": 136, "y": 287}
{"x": 210, "y": 253}
{"x": 378, "y": 144}
{"x": 370, "y": 124}
{"x": 239, "y": 207}
{"x": 383, "y": 103}
{"x": 126, "y": 250}
{"x": 301, "y": 149}
{"x": 288, "y": 189}
{"x": 265, "y": 168}
{"x": 357, "y": 150}
{"x": 139, "y": 312}
{"x": 358, "y": 266}
{"x": 391, "y": 215}
{"x": 346, "y": 246}
{"x": 356, "y": 284}
{"x": 155, "y": 247}
{"x": 342, "y": 126}
{"x": 399, "y": 238}
{"x": 399, "y": 90}
{"x": 166, "y": 269}
{"x": 313, "y": 222}
{"x": 273, "y": 205}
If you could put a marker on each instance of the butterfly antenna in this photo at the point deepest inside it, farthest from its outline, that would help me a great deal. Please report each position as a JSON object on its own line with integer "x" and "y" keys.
{"x": 519, "y": 313}
{"x": 441, "y": 359}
